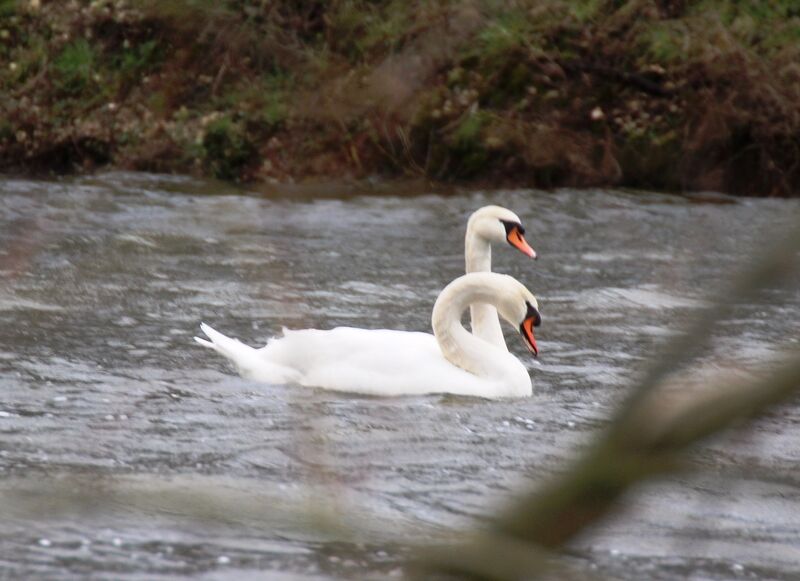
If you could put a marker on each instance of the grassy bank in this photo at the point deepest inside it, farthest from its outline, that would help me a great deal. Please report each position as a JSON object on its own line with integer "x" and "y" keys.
{"x": 664, "y": 94}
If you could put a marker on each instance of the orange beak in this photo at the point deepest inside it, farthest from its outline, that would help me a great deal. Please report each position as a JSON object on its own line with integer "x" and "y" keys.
{"x": 516, "y": 240}
{"x": 527, "y": 333}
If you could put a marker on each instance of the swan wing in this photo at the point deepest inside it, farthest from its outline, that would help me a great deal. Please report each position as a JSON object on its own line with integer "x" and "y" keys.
{"x": 368, "y": 361}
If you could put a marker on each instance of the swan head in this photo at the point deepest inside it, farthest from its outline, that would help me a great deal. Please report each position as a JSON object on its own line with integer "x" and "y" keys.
{"x": 496, "y": 224}
{"x": 518, "y": 306}
{"x": 532, "y": 319}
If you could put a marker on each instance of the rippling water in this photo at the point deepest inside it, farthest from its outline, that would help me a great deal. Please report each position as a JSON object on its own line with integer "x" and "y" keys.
{"x": 127, "y": 451}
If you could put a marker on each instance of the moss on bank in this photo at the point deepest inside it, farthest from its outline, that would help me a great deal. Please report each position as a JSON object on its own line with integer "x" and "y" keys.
{"x": 665, "y": 94}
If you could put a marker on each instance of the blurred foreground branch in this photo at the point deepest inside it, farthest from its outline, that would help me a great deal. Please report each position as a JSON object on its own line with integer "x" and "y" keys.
{"x": 648, "y": 437}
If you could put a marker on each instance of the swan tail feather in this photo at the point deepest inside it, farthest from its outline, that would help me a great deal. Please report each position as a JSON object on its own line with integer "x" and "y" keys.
{"x": 251, "y": 363}
{"x": 240, "y": 354}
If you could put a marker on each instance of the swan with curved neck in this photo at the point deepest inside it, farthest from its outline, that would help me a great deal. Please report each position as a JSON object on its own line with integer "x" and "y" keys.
{"x": 391, "y": 363}
{"x": 487, "y": 225}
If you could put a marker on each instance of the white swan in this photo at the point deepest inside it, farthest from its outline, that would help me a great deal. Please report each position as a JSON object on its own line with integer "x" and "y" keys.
{"x": 391, "y": 363}
{"x": 487, "y": 225}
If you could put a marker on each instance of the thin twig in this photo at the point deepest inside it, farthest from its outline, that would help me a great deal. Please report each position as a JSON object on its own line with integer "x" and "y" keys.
{"x": 648, "y": 437}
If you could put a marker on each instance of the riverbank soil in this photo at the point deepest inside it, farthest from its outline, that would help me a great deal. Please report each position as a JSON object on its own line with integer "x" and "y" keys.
{"x": 659, "y": 94}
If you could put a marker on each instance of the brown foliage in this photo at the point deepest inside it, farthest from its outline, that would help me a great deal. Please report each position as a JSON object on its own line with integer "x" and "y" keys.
{"x": 538, "y": 92}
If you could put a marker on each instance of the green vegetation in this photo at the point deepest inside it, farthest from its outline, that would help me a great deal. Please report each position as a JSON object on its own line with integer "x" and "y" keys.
{"x": 74, "y": 67}
{"x": 226, "y": 148}
{"x": 645, "y": 93}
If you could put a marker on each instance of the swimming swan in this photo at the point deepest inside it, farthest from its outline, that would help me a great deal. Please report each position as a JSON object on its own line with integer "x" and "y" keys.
{"x": 485, "y": 226}
{"x": 390, "y": 363}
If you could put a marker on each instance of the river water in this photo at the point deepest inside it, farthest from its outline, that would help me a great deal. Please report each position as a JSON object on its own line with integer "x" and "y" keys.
{"x": 129, "y": 452}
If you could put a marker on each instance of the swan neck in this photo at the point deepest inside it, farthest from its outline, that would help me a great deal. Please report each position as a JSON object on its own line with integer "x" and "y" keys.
{"x": 458, "y": 346}
{"x": 507, "y": 375}
{"x": 483, "y": 317}
{"x": 477, "y": 252}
